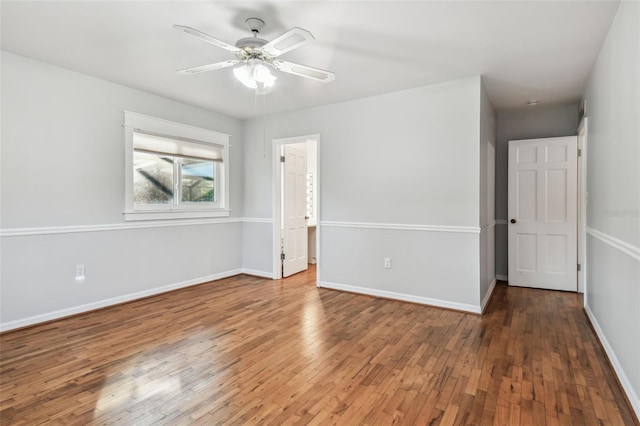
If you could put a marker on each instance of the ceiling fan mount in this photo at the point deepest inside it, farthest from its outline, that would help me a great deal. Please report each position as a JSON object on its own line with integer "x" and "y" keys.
{"x": 255, "y": 25}
{"x": 255, "y": 42}
{"x": 253, "y": 53}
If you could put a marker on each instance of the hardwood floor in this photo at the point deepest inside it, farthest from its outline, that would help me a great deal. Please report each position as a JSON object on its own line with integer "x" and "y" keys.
{"x": 255, "y": 351}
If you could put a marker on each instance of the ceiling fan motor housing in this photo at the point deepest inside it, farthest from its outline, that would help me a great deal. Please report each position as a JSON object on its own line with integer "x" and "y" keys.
{"x": 251, "y": 46}
{"x": 252, "y": 42}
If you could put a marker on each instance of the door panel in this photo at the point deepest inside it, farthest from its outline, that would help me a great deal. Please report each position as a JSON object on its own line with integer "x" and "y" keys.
{"x": 295, "y": 209}
{"x": 543, "y": 213}
{"x": 527, "y": 200}
{"x": 556, "y": 195}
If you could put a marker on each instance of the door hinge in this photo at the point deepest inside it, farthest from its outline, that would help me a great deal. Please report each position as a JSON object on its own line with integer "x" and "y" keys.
{"x": 282, "y": 158}
{"x": 579, "y": 152}
{"x": 579, "y": 267}
{"x": 281, "y": 256}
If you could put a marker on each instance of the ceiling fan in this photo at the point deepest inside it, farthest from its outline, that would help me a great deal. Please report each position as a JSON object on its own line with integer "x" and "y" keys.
{"x": 255, "y": 56}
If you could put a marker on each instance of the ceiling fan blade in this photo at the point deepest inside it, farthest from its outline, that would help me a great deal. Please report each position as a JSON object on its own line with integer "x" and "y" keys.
{"x": 207, "y": 38}
{"x": 305, "y": 71}
{"x": 210, "y": 67}
{"x": 290, "y": 40}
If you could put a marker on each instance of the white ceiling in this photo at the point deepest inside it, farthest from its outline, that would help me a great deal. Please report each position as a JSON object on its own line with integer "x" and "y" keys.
{"x": 539, "y": 49}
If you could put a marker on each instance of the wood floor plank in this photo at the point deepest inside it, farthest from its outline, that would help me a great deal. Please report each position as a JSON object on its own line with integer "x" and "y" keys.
{"x": 246, "y": 350}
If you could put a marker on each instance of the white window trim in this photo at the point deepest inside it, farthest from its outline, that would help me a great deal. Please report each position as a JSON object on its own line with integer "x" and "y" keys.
{"x": 145, "y": 123}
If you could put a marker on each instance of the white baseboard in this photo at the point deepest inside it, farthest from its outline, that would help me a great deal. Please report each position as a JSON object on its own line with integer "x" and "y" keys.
{"x": 503, "y": 277}
{"x": 24, "y": 322}
{"x": 255, "y": 272}
{"x": 622, "y": 377}
{"x": 403, "y": 297}
{"x": 487, "y": 296}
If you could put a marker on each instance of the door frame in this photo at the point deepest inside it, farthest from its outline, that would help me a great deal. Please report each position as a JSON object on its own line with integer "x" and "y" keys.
{"x": 583, "y": 196}
{"x": 277, "y": 197}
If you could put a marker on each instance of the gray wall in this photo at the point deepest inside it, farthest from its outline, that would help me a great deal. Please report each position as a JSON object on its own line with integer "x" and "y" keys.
{"x": 383, "y": 158}
{"x": 613, "y": 212}
{"x": 531, "y": 123}
{"x": 405, "y": 158}
{"x": 62, "y": 165}
{"x": 409, "y": 158}
{"x": 487, "y": 195}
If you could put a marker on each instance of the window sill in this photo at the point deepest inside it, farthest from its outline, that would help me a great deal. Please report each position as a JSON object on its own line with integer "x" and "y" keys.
{"x": 173, "y": 214}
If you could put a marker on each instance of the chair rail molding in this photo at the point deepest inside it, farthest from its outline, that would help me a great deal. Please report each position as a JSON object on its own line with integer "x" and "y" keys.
{"x": 51, "y": 230}
{"x": 402, "y": 227}
{"x": 624, "y": 247}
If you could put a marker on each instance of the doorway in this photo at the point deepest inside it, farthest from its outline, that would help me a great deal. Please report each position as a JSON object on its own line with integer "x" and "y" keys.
{"x": 296, "y": 226}
{"x": 543, "y": 213}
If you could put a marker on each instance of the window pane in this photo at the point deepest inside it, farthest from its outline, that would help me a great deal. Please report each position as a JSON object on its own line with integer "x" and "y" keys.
{"x": 152, "y": 178}
{"x": 197, "y": 180}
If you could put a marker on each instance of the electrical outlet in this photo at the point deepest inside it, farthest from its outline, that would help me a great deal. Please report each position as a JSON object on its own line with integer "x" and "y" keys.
{"x": 79, "y": 272}
{"x": 387, "y": 263}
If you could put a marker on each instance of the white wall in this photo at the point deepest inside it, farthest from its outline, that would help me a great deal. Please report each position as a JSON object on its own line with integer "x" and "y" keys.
{"x": 530, "y": 123}
{"x": 408, "y": 158}
{"x": 62, "y": 165}
{"x": 487, "y": 141}
{"x": 613, "y": 183}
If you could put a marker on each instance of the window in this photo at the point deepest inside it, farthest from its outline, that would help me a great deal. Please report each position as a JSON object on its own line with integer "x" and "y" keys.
{"x": 174, "y": 171}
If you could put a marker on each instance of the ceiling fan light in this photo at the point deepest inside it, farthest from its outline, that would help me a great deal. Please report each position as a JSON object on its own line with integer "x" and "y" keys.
{"x": 244, "y": 74}
{"x": 261, "y": 74}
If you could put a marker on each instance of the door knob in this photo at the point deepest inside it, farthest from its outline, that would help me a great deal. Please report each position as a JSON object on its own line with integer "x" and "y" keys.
{"x": 513, "y": 221}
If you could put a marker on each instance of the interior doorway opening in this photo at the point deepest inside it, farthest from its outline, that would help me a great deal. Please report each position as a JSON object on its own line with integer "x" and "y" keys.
{"x": 296, "y": 201}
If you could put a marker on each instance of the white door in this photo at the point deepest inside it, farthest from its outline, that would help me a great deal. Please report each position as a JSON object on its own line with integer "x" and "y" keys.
{"x": 294, "y": 200}
{"x": 543, "y": 213}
